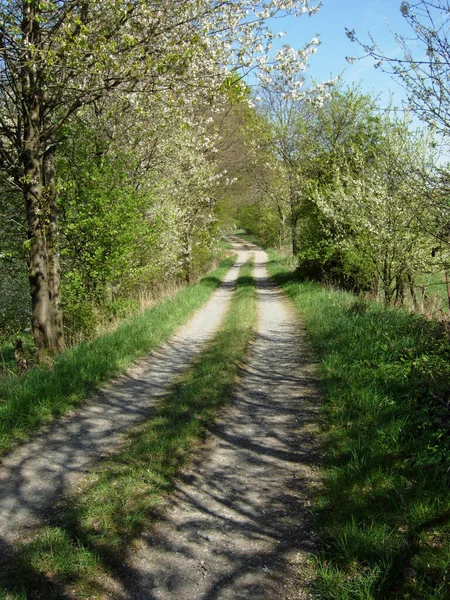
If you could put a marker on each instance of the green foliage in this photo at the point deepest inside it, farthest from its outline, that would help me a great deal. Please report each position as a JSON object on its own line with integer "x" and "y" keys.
{"x": 350, "y": 189}
{"x": 234, "y": 89}
{"x": 123, "y": 307}
{"x": 129, "y": 231}
{"x": 7, "y": 358}
{"x": 15, "y": 303}
{"x": 80, "y": 319}
{"x": 248, "y": 218}
{"x": 103, "y": 218}
{"x": 384, "y": 514}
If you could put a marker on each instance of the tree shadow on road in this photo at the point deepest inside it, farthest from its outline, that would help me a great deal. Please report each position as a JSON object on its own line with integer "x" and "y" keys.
{"x": 257, "y": 524}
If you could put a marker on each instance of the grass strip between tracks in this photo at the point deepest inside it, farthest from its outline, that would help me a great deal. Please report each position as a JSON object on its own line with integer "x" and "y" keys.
{"x": 46, "y": 393}
{"x": 384, "y": 514}
{"x": 93, "y": 529}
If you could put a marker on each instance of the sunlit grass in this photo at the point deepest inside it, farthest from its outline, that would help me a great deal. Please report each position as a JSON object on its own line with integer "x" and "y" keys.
{"x": 384, "y": 515}
{"x": 93, "y": 528}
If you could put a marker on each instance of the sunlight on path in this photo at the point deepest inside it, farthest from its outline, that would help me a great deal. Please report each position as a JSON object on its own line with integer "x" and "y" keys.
{"x": 38, "y": 474}
{"x": 237, "y": 525}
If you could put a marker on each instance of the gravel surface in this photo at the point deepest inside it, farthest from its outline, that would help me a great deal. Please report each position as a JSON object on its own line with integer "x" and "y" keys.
{"x": 238, "y": 524}
{"x": 37, "y": 474}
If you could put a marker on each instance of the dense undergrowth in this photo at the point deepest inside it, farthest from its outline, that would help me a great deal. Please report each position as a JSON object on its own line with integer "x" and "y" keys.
{"x": 86, "y": 319}
{"x": 384, "y": 514}
{"x": 45, "y": 393}
{"x": 92, "y": 530}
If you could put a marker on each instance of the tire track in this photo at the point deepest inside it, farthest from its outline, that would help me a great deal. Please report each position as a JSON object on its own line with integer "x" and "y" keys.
{"x": 37, "y": 474}
{"x": 238, "y": 524}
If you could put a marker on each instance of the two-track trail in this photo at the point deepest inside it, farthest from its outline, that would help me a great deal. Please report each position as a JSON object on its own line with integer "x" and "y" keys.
{"x": 238, "y": 525}
{"x": 38, "y": 474}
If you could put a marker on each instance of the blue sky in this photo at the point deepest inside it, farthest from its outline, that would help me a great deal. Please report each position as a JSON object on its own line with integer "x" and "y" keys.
{"x": 376, "y": 16}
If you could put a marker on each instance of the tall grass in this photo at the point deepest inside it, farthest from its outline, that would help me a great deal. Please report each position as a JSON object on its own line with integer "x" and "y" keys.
{"x": 93, "y": 528}
{"x": 43, "y": 394}
{"x": 384, "y": 515}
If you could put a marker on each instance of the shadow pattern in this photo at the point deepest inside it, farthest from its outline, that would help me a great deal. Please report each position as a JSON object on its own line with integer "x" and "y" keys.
{"x": 238, "y": 523}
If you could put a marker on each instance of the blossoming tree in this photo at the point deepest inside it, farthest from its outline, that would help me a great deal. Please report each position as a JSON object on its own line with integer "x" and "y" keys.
{"x": 59, "y": 56}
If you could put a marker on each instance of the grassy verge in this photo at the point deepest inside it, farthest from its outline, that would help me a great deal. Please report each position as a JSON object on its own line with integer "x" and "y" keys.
{"x": 384, "y": 515}
{"x": 224, "y": 245}
{"x": 93, "y": 529}
{"x": 43, "y": 394}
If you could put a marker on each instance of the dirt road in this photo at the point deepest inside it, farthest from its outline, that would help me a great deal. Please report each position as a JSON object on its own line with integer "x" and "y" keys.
{"x": 238, "y": 524}
{"x": 38, "y": 473}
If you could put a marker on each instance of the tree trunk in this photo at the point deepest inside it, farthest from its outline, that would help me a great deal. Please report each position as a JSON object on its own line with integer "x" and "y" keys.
{"x": 413, "y": 292}
{"x": 294, "y": 237}
{"x": 42, "y": 321}
{"x": 187, "y": 259}
{"x": 293, "y": 209}
{"x": 399, "y": 290}
{"x": 54, "y": 262}
{"x": 387, "y": 281}
{"x": 42, "y": 316}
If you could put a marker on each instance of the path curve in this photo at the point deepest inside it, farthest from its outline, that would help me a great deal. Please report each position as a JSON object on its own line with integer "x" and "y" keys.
{"x": 37, "y": 474}
{"x": 238, "y": 524}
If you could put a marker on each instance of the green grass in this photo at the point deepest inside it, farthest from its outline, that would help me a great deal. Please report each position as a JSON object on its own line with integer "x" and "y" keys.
{"x": 224, "y": 245}
{"x": 384, "y": 514}
{"x": 44, "y": 394}
{"x": 92, "y": 530}
{"x": 7, "y": 358}
{"x": 435, "y": 285}
{"x": 436, "y": 301}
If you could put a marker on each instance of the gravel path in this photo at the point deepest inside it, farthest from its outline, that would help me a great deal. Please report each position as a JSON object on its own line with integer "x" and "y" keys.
{"x": 38, "y": 473}
{"x": 237, "y": 525}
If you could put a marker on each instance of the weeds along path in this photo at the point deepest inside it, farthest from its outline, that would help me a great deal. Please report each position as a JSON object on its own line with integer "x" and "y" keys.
{"x": 237, "y": 524}
{"x": 38, "y": 474}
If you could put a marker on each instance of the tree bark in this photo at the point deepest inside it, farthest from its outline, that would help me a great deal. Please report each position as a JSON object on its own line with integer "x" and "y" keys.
{"x": 42, "y": 310}
{"x": 413, "y": 291}
{"x": 386, "y": 282}
{"x": 187, "y": 258}
{"x": 399, "y": 290}
{"x": 42, "y": 316}
{"x": 54, "y": 262}
{"x": 447, "y": 283}
{"x": 294, "y": 217}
